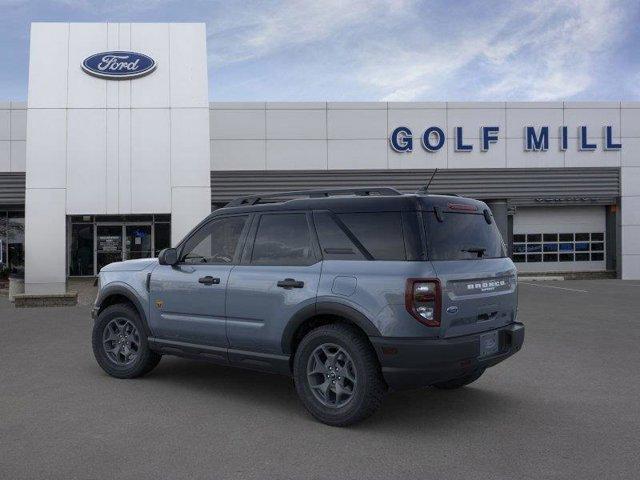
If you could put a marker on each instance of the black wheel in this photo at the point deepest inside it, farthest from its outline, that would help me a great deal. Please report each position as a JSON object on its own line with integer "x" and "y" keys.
{"x": 337, "y": 375}
{"x": 459, "y": 382}
{"x": 120, "y": 344}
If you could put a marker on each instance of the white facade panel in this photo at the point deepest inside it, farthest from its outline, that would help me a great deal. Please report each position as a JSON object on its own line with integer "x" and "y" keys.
{"x": 190, "y": 164}
{"x": 630, "y": 122}
{"x": 150, "y": 160}
{"x": 124, "y": 86}
{"x": 296, "y": 124}
{"x": 356, "y": 124}
{"x": 18, "y": 124}
{"x": 111, "y": 161}
{"x": 86, "y": 161}
{"x": 5, "y": 124}
{"x": 18, "y": 156}
{"x": 124, "y": 161}
{"x": 357, "y": 154}
{"x": 152, "y": 91}
{"x": 630, "y": 211}
{"x": 238, "y": 155}
{"x": 238, "y": 124}
{"x": 630, "y": 153}
{"x": 517, "y": 157}
{"x": 85, "y": 91}
{"x": 188, "y": 56}
{"x": 47, "y": 148}
{"x": 5, "y": 156}
{"x": 494, "y": 157}
{"x": 418, "y": 158}
{"x": 631, "y": 239}
{"x": 296, "y": 155}
{"x": 471, "y": 119}
{"x": 417, "y": 120}
{"x": 190, "y": 205}
{"x": 48, "y": 62}
{"x": 45, "y": 241}
{"x": 592, "y": 118}
{"x": 518, "y": 118}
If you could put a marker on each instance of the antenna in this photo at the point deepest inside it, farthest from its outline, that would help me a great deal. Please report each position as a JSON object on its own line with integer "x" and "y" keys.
{"x": 425, "y": 189}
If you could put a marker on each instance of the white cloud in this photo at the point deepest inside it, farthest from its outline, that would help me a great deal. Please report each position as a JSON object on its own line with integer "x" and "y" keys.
{"x": 547, "y": 50}
{"x": 247, "y": 33}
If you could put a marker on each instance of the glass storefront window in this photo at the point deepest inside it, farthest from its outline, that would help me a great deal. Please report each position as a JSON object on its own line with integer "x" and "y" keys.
{"x": 163, "y": 237}
{"x": 81, "y": 253}
{"x": 96, "y": 241}
{"x": 15, "y": 242}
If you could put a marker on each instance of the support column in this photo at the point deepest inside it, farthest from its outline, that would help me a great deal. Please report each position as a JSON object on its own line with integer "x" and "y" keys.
{"x": 45, "y": 241}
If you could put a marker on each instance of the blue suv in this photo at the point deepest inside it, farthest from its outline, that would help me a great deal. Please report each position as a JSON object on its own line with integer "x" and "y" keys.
{"x": 352, "y": 292}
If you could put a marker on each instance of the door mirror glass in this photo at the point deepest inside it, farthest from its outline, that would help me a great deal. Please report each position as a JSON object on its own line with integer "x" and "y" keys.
{"x": 168, "y": 256}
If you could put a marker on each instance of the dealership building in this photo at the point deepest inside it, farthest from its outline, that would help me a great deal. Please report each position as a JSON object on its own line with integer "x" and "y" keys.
{"x": 118, "y": 152}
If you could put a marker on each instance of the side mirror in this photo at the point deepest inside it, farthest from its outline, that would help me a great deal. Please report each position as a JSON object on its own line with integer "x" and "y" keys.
{"x": 168, "y": 256}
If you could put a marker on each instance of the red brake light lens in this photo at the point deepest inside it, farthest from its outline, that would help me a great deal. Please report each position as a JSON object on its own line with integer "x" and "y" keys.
{"x": 422, "y": 300}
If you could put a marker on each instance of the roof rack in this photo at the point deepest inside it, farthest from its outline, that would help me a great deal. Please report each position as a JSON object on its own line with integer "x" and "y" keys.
{"x": 254, "y": 199}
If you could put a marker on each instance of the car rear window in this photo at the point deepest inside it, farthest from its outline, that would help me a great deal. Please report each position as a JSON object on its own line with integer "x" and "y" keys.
{"x": 462, "y": 236}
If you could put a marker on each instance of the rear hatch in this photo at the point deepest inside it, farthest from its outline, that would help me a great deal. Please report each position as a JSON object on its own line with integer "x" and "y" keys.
{"x": 478, "y": 281}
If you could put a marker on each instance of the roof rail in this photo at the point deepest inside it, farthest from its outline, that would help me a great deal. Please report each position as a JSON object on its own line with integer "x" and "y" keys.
{"x": 254, "y": 199}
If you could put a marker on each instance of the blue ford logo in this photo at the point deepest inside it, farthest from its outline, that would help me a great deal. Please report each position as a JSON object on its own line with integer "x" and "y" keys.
{"x": 118, "y": 65}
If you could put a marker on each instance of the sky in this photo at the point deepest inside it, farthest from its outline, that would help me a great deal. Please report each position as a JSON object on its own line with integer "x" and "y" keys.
{"x": 377, "y": 50}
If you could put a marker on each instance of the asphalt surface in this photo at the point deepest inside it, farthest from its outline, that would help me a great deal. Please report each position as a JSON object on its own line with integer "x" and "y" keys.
{"x": 566, "y": 406}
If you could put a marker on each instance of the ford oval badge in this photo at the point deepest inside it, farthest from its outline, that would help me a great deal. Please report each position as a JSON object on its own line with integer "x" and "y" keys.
{"x": 452, "y": 309}
{"x": 118, "y": 65}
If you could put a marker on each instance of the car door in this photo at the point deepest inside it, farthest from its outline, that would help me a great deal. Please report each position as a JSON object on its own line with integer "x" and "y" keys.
{"x": 188, "y": 299}
{"x": 278, "y": 276}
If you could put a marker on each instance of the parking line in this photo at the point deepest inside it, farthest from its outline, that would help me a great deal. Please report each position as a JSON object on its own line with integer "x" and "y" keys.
{"x": 558, "y": 288}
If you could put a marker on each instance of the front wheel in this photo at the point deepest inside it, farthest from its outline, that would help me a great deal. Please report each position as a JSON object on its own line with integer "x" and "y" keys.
{"x": 337, "y": 375}
{"x": 120, "y": 345}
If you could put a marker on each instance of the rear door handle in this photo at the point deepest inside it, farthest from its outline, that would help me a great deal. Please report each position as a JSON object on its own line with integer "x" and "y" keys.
{"x": 209, "y": 280}
{"x": 290, "y": 283}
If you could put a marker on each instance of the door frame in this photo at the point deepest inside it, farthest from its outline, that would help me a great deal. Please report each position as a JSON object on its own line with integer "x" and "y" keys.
{"x": 123, "y": 238}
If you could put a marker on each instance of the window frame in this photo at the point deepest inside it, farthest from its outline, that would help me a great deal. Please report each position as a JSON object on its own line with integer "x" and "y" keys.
{"x": 247, "y": 251}
{"x": 240, "y": 246}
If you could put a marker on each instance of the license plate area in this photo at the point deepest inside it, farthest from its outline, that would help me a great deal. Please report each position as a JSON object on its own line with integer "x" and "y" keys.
{"x": 489, "y": 343}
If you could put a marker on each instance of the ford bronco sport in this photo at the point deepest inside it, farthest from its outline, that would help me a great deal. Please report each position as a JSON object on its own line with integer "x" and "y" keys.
{"x": 351, "y": 292}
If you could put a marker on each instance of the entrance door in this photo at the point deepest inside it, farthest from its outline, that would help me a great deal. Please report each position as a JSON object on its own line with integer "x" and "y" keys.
{"x": 108, "y": 245}
{"x": 137, "y": 242}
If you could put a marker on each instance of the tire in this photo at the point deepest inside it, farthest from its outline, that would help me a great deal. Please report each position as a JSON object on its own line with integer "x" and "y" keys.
{"x": 459, "y": 382}
{"x": 134, "y": 358}
{"x": 356, "y": 371}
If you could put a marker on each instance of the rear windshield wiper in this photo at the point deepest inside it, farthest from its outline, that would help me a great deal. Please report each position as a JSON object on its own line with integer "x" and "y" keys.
{"x": 477, "y": 250}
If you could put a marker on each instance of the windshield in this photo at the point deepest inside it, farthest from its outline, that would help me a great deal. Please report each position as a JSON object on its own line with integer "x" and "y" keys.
{"x": 462, "y": 236}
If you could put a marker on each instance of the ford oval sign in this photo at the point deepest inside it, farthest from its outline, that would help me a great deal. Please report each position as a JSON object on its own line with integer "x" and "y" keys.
{"x": 118, "y": 65}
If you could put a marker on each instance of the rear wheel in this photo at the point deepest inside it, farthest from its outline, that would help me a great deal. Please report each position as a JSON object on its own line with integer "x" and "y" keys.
{"x": 459, "y": 382}
{"x": 337, "y": 375}
{"x": 120, "y": 345}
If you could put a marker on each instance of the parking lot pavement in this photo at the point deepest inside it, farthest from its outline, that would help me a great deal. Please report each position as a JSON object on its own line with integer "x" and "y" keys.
{"x": 566, "y": 406}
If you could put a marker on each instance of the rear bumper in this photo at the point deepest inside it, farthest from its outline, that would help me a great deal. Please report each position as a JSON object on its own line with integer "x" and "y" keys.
{"x": 416, "y": 362}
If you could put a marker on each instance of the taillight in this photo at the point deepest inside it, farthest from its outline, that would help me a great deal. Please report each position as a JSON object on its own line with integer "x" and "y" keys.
{"x": 422, "y": 299}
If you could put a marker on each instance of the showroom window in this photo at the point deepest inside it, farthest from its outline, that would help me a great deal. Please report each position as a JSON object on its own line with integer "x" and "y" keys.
{"x": 558, "y": 247}
{"x": 11, "y": 242}
{"x": 97, "y": 240}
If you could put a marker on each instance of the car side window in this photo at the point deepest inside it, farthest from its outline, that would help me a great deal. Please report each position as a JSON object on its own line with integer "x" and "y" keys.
{"x": 215, "y": 243}
{"x": 283, "y": 239}
{"x": 381, "y": 233}
{"x": 334, "y": 242}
